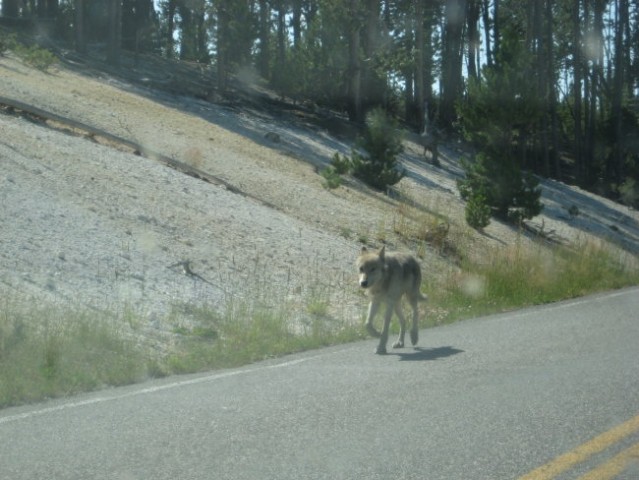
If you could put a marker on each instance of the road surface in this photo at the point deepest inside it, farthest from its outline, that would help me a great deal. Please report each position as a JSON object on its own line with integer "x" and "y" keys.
{"x": 555, "y": 387}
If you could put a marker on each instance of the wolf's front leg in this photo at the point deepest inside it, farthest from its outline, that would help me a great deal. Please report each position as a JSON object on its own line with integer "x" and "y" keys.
{"x": 383, "y": 339}
{"x": 372, "y": 311}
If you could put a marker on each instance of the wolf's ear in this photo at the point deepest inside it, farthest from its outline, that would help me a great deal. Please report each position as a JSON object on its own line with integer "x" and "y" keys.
{"x": 381, "y": 252}
{"x": 363, "y": 250}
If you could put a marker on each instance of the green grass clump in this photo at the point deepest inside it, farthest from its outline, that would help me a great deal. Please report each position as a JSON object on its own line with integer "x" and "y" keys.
{"x": 247, "y": 333}
{"x": 57, "y": 351}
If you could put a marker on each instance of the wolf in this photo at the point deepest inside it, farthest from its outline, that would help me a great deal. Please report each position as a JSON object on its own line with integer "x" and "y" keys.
{"x": 387, "y": 277}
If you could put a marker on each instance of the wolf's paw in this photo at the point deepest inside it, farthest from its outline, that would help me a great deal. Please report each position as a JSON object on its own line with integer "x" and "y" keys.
{"x": 414, "y": 336}
{"x": 398, "y": 344}
{"x": 380, "y": 350}
{"x": 371, "y": 330}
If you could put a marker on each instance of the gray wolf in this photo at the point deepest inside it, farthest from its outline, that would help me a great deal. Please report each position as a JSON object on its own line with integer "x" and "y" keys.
{"x": 387, "y": 277}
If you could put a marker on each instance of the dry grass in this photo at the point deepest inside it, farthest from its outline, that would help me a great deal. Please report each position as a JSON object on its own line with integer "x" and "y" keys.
{"x": 52, "y": 351}
{"x": 515, "y": 277}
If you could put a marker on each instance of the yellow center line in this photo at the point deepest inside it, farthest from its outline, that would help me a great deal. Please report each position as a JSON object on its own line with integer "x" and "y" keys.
{"x": 583, "y": 452}
{"x": 614, "y": 466}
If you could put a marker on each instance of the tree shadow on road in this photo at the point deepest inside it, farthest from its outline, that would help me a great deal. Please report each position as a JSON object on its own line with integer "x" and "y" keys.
{"x": 419, "y": 354}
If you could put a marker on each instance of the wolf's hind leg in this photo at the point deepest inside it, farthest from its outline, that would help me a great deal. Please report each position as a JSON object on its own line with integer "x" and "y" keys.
{"x": 414, "y": 329}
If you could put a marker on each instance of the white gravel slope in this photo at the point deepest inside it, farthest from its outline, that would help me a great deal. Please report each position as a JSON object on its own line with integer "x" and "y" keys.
{"x": 86, "y": 223}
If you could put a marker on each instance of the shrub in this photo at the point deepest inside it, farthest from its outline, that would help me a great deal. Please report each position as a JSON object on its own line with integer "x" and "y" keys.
{"x": 33, "y": 55}
{"x": 477, "y": 211}
{"x": 332, "y": 174}
{"x": 8, "y": 42}
{"x": 332, "y": 178}
{"x": 505, "y": 190}
{"x": 375, "y": 162}
{"x": 629, "y": 192}
{"x": 37, "y": 57}
{"x": 341, "y": 165}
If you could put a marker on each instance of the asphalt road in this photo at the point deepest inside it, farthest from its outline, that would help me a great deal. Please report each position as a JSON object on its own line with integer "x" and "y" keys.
{"x": 492, "y": 398}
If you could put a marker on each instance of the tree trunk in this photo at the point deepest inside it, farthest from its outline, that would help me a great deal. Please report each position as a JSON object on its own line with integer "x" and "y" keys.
{"x": 474, "y": 43}
{"x": 541, "y": 148}
{"x": 10, "y": 8}
{"x": 485, "y": 13}
{"x": 496, "y": 26}
{"x": 80, "y": 39}
{"x": 372, "y": 85}
{"x": 170, "y": 20}
{"x": 452, "y": 60}
{"x": 552, "y": 92}
{"x": 419, "y": 63}
{"x": 222, "y": 45}
{"x": 201, "y": 35}
{"x": 595, "y": 59}
{"x": 296, "y": 22}
{"x": 430, "y": 18}
{"x": 263, "y": 59}
{"x": 188, "y": 40}
{"x": 577, "y": 94}
{"x": 588, "y": 125}
{"x": 354, "y": 106}
{"x": 617, "y": 170}
{"x": 135, "y": 18}
{"x": 115, "y": 32}
{"x": 281, "y": 35}
{"x": 47, "y": 8}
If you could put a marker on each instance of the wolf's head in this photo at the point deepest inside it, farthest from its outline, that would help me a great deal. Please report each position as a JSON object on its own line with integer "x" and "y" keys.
{"x": 371, "y": 267}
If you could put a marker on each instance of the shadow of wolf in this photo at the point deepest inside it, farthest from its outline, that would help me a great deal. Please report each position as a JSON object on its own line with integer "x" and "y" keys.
{"x": 387, "y": 277}
{"x": 427, "y": 354}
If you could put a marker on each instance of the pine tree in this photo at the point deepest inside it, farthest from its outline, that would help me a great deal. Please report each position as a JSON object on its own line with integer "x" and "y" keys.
{"x": 500, "y": 109}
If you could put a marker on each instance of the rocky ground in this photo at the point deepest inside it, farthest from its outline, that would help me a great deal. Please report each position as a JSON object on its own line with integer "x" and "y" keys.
{"x": 86, "y": 223}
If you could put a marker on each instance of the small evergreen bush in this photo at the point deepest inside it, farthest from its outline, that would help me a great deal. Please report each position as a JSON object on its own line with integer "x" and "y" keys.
{"x": 477, "y": 211}
{"x": 8, "y": 42}
{"x": 375, "y": 162}
{"x": 332, "y": 178}
{"x": 37, "y": 57}
{"x": 341, "y": 164}
{"x": 33, "y": 55}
